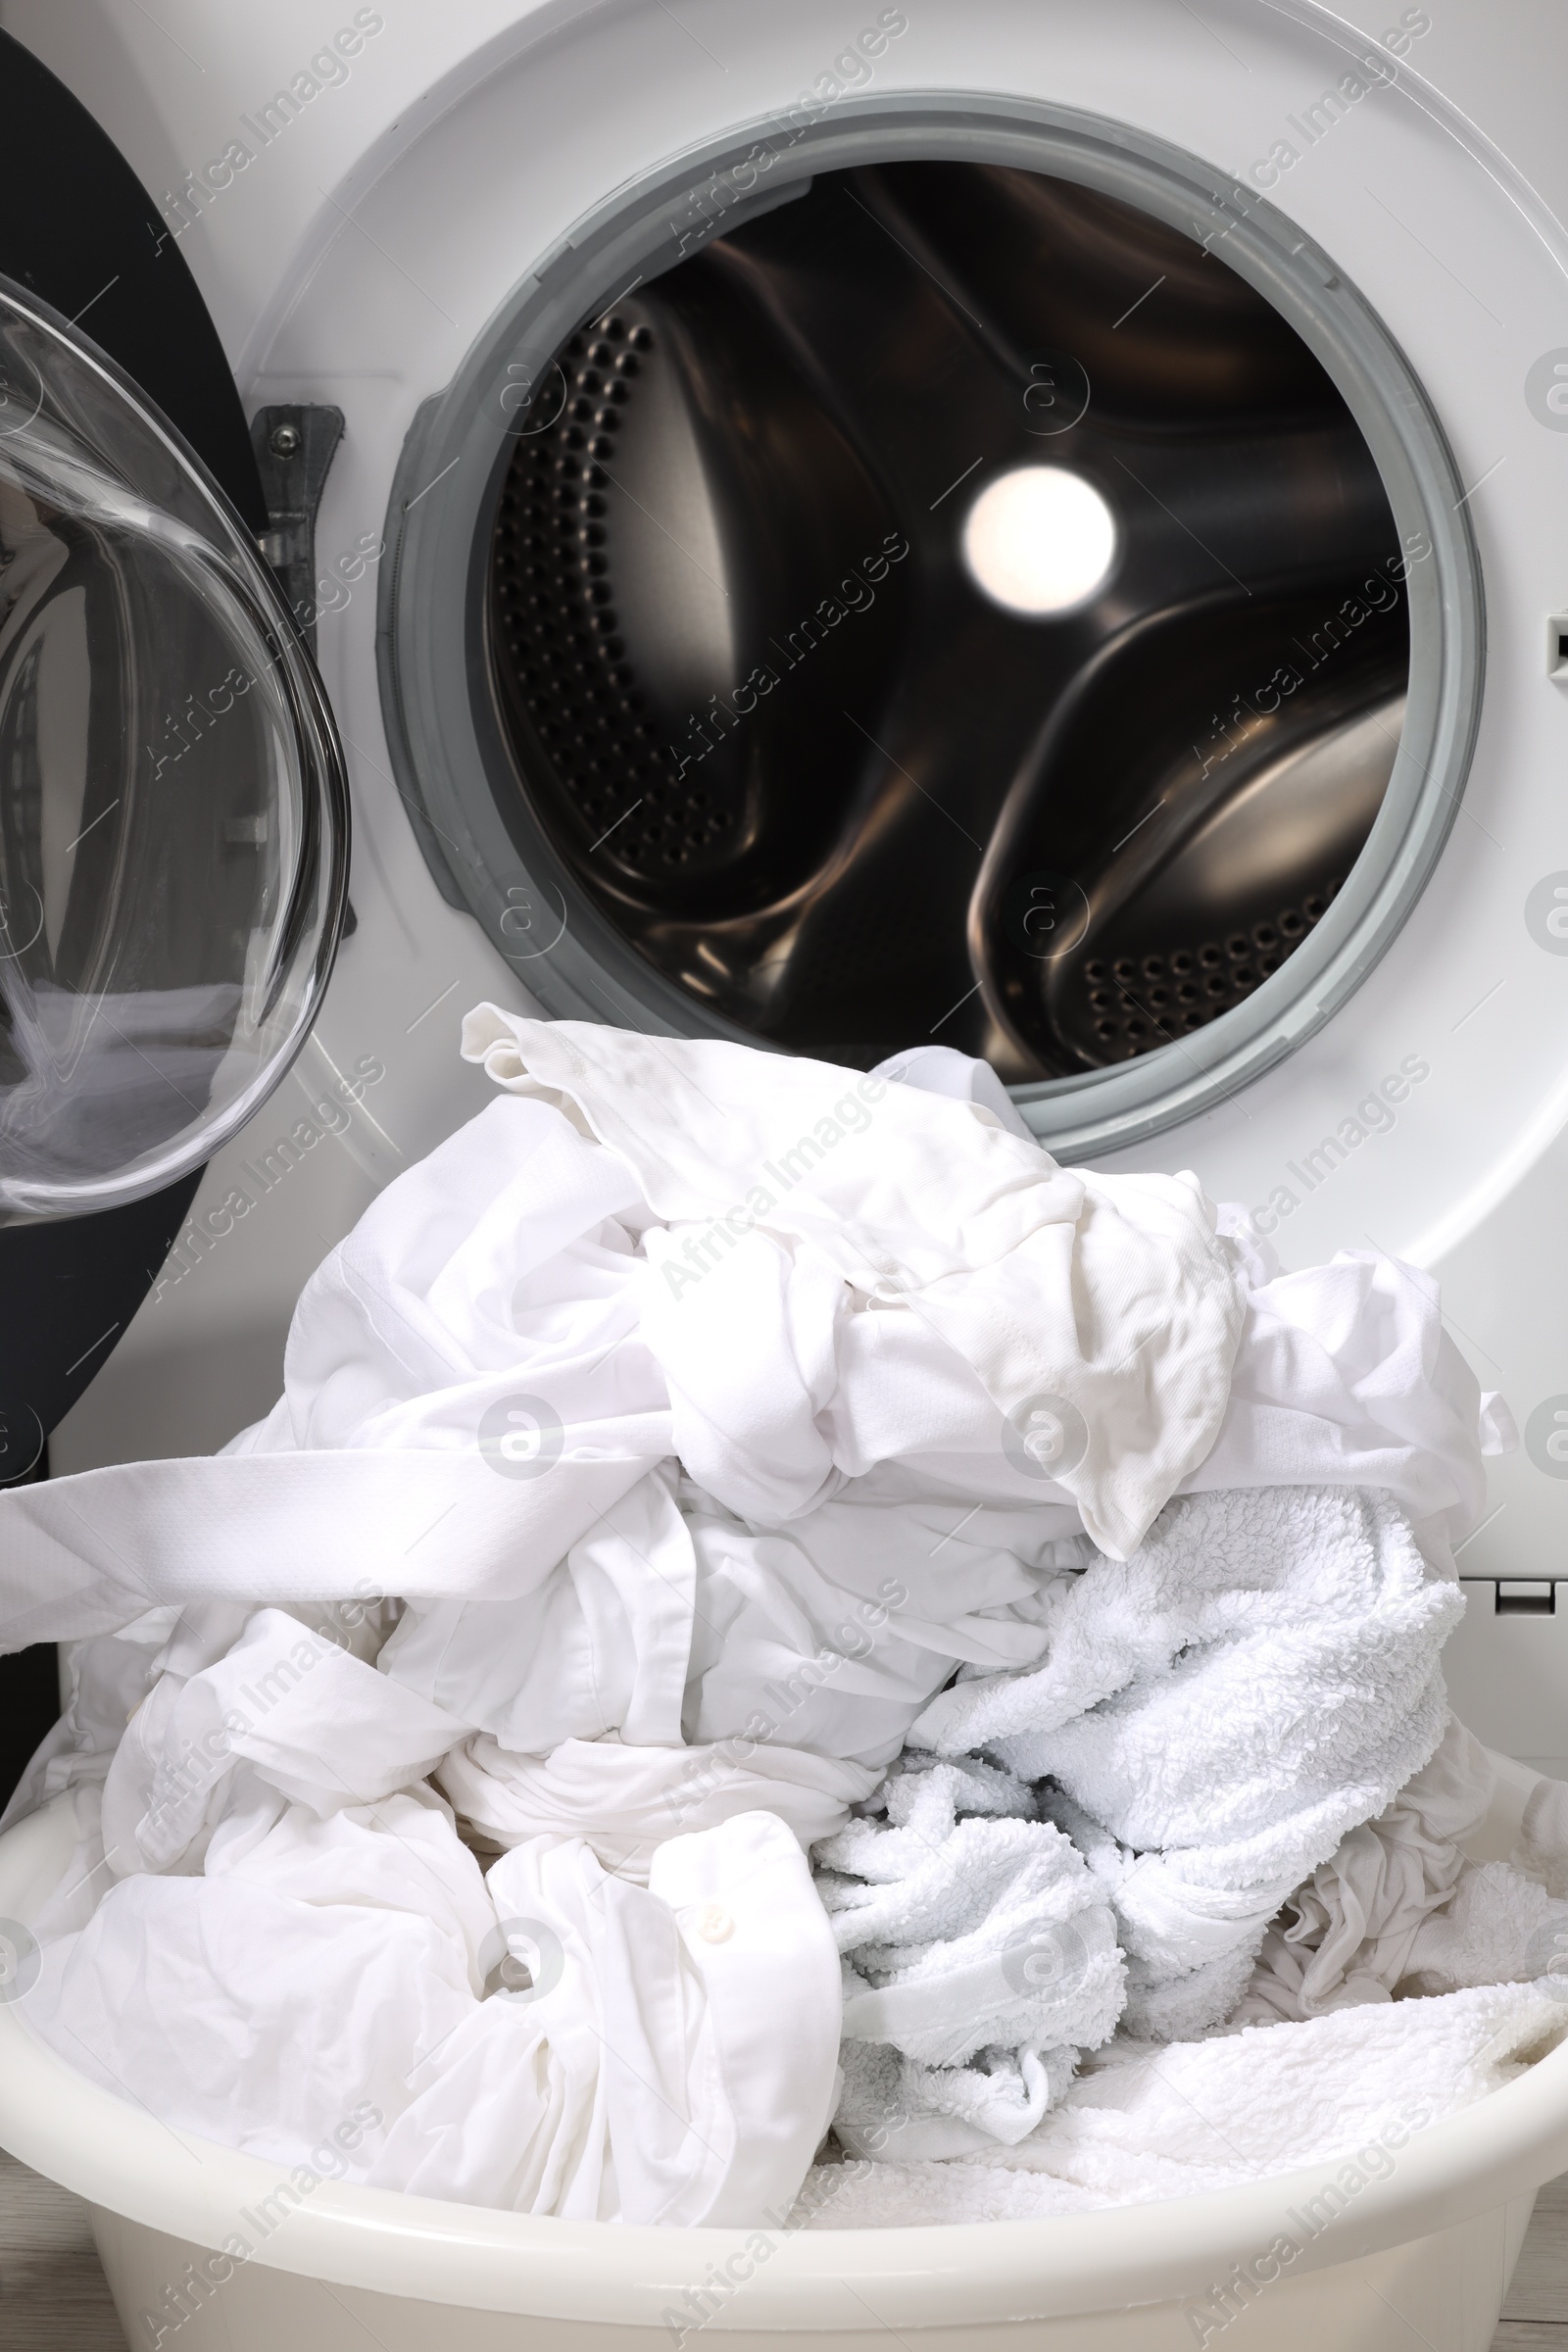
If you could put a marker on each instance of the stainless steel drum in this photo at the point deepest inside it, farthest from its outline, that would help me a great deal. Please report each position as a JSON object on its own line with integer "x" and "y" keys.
{"x": 818, "y": 771}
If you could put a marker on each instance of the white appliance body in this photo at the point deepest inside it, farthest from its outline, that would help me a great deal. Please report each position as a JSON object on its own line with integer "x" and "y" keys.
{"x": 353, "y": 247}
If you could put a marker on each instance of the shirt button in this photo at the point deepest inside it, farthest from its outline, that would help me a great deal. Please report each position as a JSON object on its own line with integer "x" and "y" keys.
{"x": 714, "y": 1924}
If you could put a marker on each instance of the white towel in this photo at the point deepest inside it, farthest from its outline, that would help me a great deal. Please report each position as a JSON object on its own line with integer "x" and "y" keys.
{"x": 968, "y": 1928}
{"x": 1499, "y": 1927}
{"x": 896, "y": 2111}
{"x": 1208, "y": 1703}
{"x": 1343, "y": 2093}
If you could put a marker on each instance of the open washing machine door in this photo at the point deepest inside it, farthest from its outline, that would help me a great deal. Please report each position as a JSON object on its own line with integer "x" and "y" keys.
{"x": 171, "y": 820}
{"x": 173, "y": 812}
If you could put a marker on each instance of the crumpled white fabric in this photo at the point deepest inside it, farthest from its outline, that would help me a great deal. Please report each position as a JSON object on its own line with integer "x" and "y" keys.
{"x": 1345, "y": 1934}
{"x": 626, "y": 1802}
{"x": 550, "y": 2040}
{"x": 1208, "y": 1703}
{"x": 1541, "y": 1848}
{"x": 1499, "y": 1927}
{"x": 686, "y": 1514}
{"x": 1345, "y": 2091}
{"x": 943, "y": 1070}
{"x": 601, "y": 1644}
{"x": 106, "y": 1679}
{"x": 1346, "y": 1376}
{"x": 972, "y": 1931}
{"x": 503, "y": 1267}
{"x": 673, "y": 1618}
{"x": 894, "y": 2109}
{"x": 506, "y": 1275}
{"x": 1407, "y": 1905}
{"x": 317, "y": 1724}
{"x": 784, "y": 1184}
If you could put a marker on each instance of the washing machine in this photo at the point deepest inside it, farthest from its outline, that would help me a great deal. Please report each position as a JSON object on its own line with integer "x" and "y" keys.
{"x": 1021, "y": 526}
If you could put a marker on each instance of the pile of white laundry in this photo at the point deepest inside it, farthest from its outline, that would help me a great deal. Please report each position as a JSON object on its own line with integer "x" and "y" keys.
{"x": 707, "y": 1463}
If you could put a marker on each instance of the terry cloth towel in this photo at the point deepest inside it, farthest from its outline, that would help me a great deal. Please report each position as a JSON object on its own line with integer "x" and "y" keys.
{"x": 981, "y": 1935}
{"x": 1101, "y": 1312}
{"x": 1260, "y": 1676}
{"x": 1342, "y": 2092}
{"x": 895, "y": 2110}
{"x": 548, "y": 2040}
{"x": 1499, "y": 1927}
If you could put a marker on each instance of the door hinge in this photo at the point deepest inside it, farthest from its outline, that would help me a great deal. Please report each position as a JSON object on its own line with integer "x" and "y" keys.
{"x": 295, "y": 443}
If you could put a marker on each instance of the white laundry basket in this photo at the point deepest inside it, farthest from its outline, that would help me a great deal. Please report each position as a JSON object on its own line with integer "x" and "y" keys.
{"x": 1423, "y": 2255}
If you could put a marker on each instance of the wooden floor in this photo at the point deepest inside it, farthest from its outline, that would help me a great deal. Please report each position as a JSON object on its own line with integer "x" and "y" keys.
{"x": 53, "y": 2297}
{"x": 1534, "y": 2317}
{"x": 52, "y": 2292}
